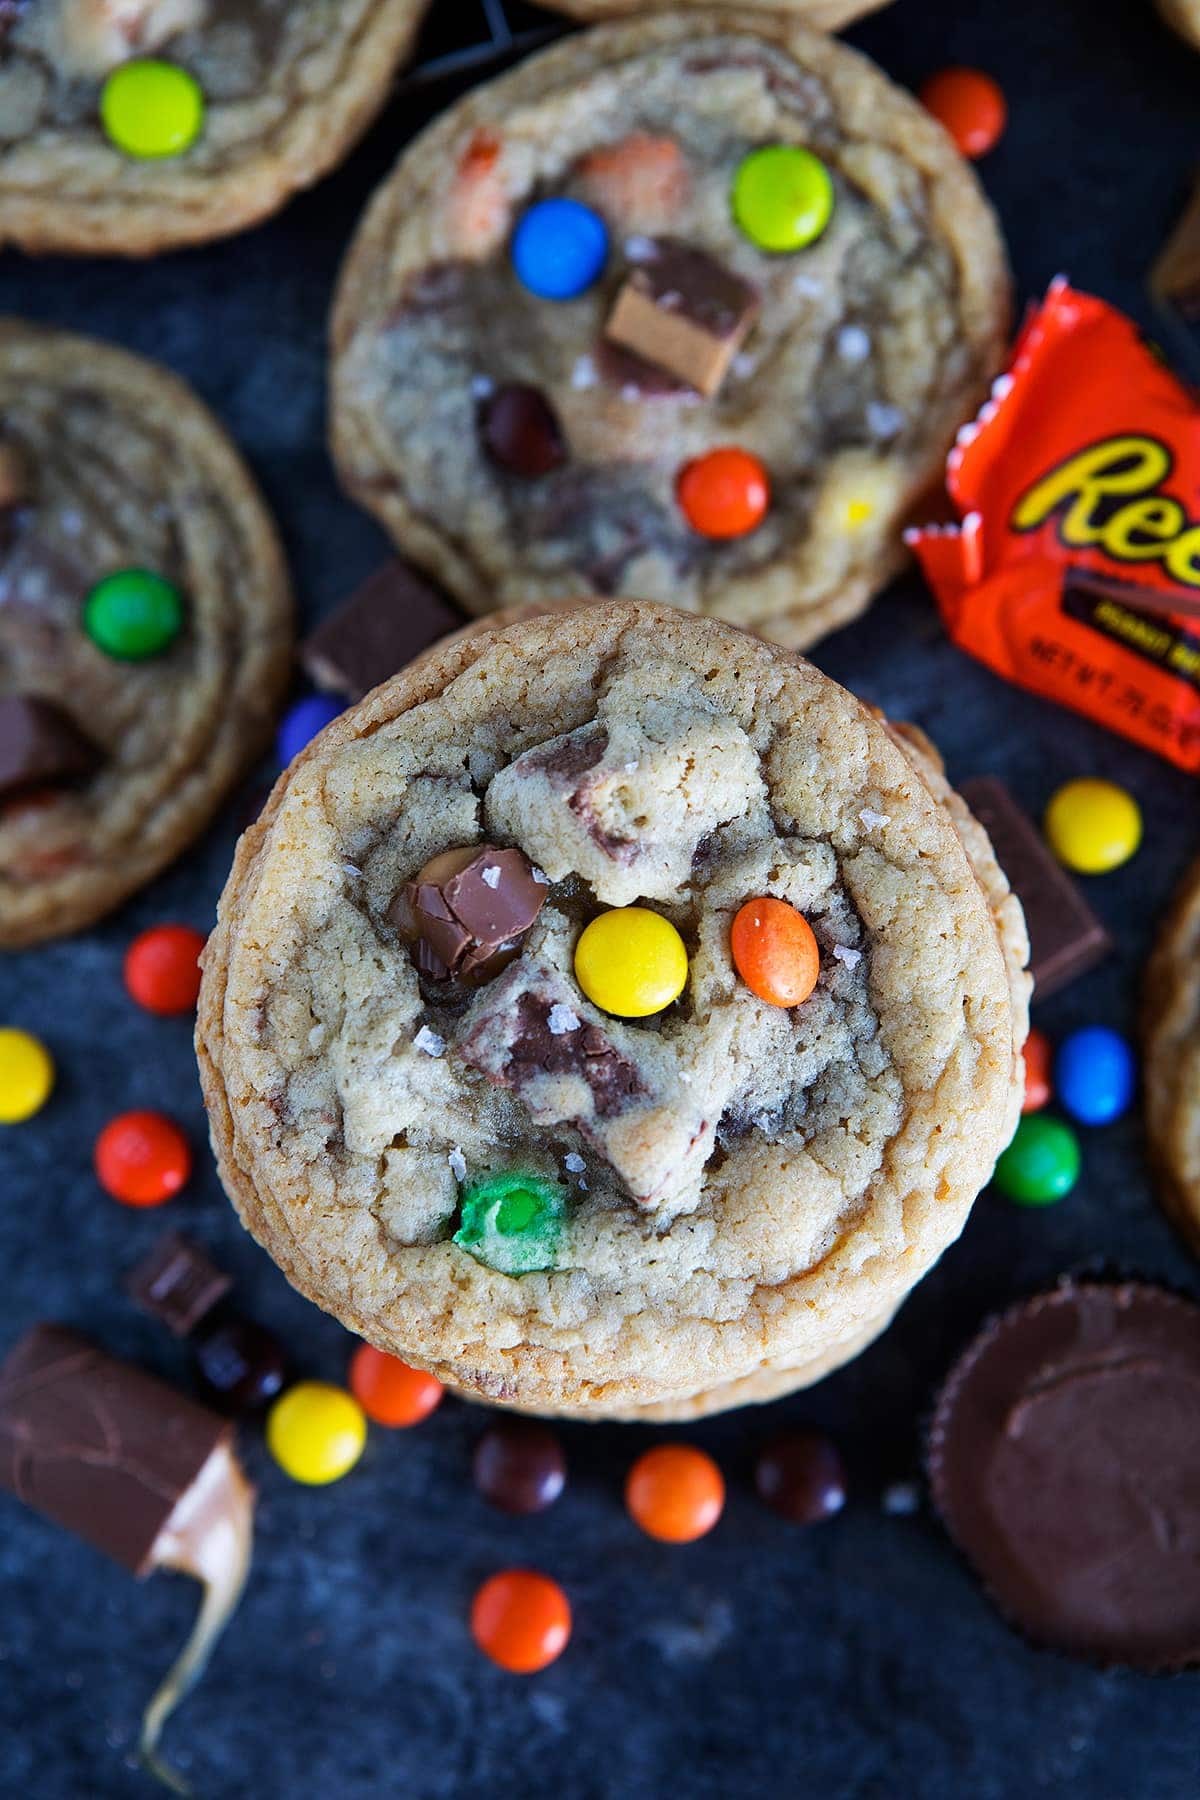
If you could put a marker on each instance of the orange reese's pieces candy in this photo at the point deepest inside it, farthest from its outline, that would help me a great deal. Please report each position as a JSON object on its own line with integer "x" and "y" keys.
{"x": 1075, "y": 569}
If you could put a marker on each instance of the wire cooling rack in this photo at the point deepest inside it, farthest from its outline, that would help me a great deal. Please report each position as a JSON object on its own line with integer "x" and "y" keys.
{"x": 465, "y": 36}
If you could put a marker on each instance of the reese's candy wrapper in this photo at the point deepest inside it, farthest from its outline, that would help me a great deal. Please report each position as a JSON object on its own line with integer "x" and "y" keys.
{"x": 1075, "y": 568}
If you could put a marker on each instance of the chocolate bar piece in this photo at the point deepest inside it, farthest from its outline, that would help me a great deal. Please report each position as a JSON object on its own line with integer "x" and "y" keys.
{"x": 1175, "y": 277}
{"x": 1065, "y": 936}
{"x": 178, "y": 1283}
{"x": 97, "y": 1445}
{"x": 41, "y": 746}
{"x": 391, "y": 618}
{"x": 683, "y": 312}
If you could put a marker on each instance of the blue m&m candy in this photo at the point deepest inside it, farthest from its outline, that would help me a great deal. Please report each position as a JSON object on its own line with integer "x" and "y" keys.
{"x": 559, "y": 249}
{"x": 302, "y": 722}
{"x": 1094, "y": 1075}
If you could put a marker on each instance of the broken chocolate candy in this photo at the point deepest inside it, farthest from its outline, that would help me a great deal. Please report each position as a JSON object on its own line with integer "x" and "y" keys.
{"x": 389, "y": 619}
{"x": 537, "y": 1048}
{"x": 520, "y": 431}
{"x": 681, "y": 311}
{"x": 41, "y": 746}
{"x": 1065, "y": 936}
{"x": 139, "y": 1471}
{"x": 178, "y": 1283}
{"x": 468, "y": 911}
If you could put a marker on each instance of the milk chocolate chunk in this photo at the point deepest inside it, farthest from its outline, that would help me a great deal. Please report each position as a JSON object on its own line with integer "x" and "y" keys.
{"x": 178, "y": 1283}
{"x": 41, "y": 746}
{"x": 139, "y": 1471}
{"x": 387, "y": 621}
{"x": 520, "y": 431}
{"x": 1064, "y": 1458}
{"x": 684, "y": 312}
{"x": 537, "y": 1048}
{"x": 468, "y": 912}
{"x": 1066, "y": 939}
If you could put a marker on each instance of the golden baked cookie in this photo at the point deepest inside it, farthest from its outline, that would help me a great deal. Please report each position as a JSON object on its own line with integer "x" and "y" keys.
{"x": 522, "y": 446}
{"x": 286, "y": 87}
{"x": 145, "y": 625}
{"x": 426, "y": 1110}
{"x": 821, "y": 15}
{"x": 1184, "y": 17}
{"x": 1171, "y": 1041}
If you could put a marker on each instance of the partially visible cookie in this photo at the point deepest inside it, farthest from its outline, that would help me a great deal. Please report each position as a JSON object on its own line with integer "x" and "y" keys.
{"x": 822, "y": 15}
{"x": 285, "y": 87}
{"x": 1171, "y": 1033}
{"x": 1184, "y": 17}
{"x": 588, "y": 340}
{"x": 144, "y": 625}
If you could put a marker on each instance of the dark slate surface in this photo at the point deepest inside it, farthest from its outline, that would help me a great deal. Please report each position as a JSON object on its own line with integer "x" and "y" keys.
{"x": 858, "y": 1660}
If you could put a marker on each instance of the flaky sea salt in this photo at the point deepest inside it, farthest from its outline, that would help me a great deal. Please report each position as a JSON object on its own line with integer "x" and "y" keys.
{"x": 561, "y": 1019}
{"x": 458, "y": 1164}
{"x": 853, "y": 344}
{"x": 574, "y": 1162}
{"x": 584, "y": 375}
{"x": 844, "y": 954}
{"x": 883, "y": 420}
{"x": 874, "y": 821}
{"x": 490, "y": 877}
{"x": 482, "y": 386}
{"x": 640, "y": 249}
{"x": 540, "y": 876}
{"x": 429, "y": 1042}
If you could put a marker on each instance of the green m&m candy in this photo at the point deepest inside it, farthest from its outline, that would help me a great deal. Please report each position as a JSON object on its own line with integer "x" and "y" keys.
{"x": 151, "y": 109}
{"x": 133, "y": 614}
{"x": 1041, "y": 1164}
{"x": 782, "y": 197}
{"x": 512, "y": 1222}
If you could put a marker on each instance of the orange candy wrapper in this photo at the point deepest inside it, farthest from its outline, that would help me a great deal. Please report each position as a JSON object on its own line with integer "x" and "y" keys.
{"x": 1075, "y": 570}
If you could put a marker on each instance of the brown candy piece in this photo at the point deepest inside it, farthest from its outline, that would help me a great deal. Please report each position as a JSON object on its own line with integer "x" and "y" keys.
{"x": 41, "y": 746}
{"x": 468, "y": 911}
{"x": 390, "y": 618}
{"x": 1065, "y": 936}
{"x": 684, "y": 312}
{"x": 520, "y": 431}
{"x": 139, "y": 1471}
{"x": 178, "y": 1283}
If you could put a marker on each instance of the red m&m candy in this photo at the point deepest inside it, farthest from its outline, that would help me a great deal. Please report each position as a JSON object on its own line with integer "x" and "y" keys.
{"x": 162, "y": 969}
{"x": 142, "y": 1158}
{"x": 724, "y": 494}
{"x": 389, "y": 1391}
{"x": 522, "y": 1620}
{"x": 970, "y": 105}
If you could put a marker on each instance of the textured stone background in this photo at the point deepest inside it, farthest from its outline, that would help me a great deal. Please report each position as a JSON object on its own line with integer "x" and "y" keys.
{"x": 858, "y": 1660}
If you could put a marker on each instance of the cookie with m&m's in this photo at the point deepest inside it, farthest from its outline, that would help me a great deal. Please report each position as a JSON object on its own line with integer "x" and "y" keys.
{"x": 689, "y": 306}
{"x": 145, "y": 626}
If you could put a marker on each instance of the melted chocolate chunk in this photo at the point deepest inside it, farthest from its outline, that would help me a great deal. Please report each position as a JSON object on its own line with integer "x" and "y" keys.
{"x": 537, "y": 1050}
{"x": 41, "y": 746}
{"x": 572, "y": 757}
{"x": 394, "y": 615}
{"x": 520, "y": 431}
{"x": 468, "y": 912}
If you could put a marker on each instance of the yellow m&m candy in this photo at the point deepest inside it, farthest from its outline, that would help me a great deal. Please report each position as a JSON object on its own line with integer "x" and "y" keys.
{"x": 152, "y": 109}
{"x": 1093, "y": 826}
{"x": 631, "y": 962}
{"x": 316, "y": 1432}
{"x": 26, "y": 1075}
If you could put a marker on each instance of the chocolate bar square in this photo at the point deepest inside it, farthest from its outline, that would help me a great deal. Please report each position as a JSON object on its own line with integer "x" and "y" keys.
{"x": 386, "y": 622}
{"x": 683, "y": 312}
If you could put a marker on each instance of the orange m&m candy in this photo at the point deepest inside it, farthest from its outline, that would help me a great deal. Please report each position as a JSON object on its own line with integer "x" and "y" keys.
{"x": 724, "y": 494}
{"x": 142, "y": 1158}
{"x": 1037, "y": 1072}
{"x": 388, "y": 1391}
{"x": 522, "y": 1620}
{"x": 970, "y": 105}
{"x": 675, "y": 1493}
{"x": 162, "y": 969}
{"x": 775, "y": 952}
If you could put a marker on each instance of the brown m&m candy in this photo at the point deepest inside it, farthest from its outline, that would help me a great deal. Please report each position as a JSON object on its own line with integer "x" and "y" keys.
{"x": 41, "y": 746}
{"x": 519, "y": 1466}
{"x": 467, "y": 912}
{"x": 1064, "y": 1459}
{"x": 520, "y": 431}
{"x": 801, "y": 1476}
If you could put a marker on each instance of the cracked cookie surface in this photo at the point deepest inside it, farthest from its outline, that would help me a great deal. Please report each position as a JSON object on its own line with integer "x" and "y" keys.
{"x": 122, "y": 467}
{"x": 1171, "y": 1034}
{"x": 868, "y": 348}
{"x": 289, "y": 86}
{"x": 751, "y": 1190}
